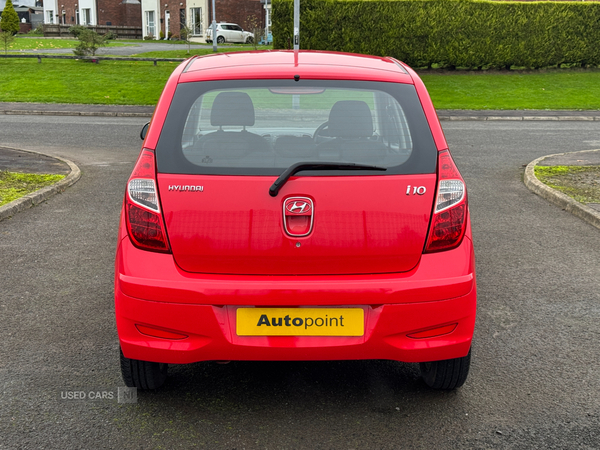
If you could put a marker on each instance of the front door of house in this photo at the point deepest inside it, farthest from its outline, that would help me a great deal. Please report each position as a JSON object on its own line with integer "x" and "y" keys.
{"x": 167, "y": 24}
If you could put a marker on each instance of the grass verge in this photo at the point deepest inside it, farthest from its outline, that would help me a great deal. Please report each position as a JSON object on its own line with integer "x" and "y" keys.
{"x": 140, "y": 83}
{"x": 549, "y": 89}
{"x": 29, "y": 44}
{"x": 582, "y": 183}
{"x": 160, "y": 41}
{"x": 69, "y": 81}
{"x": 194, "y": 51}
{"x": 15, "y": 185}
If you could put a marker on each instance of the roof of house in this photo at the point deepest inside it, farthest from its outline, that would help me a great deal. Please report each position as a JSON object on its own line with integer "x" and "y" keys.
{"x": 33, "y": 9}
{"x": 16, "y": 3}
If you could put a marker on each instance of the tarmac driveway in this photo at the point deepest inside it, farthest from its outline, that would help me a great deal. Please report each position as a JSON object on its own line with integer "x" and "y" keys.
{"x": 534, "y": 381}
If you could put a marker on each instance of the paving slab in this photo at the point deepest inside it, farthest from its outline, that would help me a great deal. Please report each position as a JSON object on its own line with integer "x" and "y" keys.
{"x": 74, "y": 109}
{"x": 518, "y": 113}
{"x": 17, "y": 108}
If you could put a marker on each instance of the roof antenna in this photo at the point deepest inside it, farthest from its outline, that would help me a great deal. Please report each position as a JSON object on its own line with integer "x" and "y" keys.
{"x": 214, "y": 28}
{"x": 296, "y": 30}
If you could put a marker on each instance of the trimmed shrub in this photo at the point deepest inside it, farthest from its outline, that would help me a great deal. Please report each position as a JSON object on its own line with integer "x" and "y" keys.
{"x": 39, "y": 30}
{"x": 76, "y": 30}
{"x": 89, "y": 43}
{"x": 448, "y": 33}
{"x": 10, "y": 19}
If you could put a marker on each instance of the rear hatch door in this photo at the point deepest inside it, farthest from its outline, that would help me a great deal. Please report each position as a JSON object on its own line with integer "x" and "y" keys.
{"x": 360, "y": 224}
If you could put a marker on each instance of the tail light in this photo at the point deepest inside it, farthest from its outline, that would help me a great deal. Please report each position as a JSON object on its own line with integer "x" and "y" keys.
{"x": 448, "y": 222}
{"x": 145, "y": 224}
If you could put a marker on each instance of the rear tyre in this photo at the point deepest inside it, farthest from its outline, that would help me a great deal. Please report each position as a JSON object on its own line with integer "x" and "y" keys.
{"x": 220, "y": 40}
{"x": 143, "y": 374}
{"x": 447, "y": 374}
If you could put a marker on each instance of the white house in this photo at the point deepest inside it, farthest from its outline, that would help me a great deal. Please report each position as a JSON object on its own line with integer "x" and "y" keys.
{"x": 84, "y": 12}
{"x": 31, "y": 3}
{"x": 169, "y": 16}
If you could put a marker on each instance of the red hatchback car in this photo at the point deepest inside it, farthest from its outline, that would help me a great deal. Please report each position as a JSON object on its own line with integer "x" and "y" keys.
{"x": 295, "y": 206}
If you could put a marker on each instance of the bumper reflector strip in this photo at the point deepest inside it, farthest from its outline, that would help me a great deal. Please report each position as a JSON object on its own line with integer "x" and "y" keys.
{"x": 433, "y": 332}
{"x": 154, "y": 332}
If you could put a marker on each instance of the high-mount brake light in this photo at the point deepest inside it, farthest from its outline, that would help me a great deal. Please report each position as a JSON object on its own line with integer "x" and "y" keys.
{"x": 448, "y": 222}
{"x": 145, "y": 224}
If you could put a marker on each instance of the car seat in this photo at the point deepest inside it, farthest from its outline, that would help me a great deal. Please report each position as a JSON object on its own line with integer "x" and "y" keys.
{"x": 351, "y": 126}
{"x": 231, "y": 109}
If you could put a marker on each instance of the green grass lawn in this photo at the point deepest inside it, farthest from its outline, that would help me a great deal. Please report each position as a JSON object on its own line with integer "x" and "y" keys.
{"x": 69, "y": 81}
{"x": 140, "y": 83}
{"x": 183, "y": 53}
{"x": 179, "y": 42}
{"x": 28, "y": 44}
{"x": 551, "y": 89}
{"x": 158, "y": 41}
{"x": 15, "y": 185}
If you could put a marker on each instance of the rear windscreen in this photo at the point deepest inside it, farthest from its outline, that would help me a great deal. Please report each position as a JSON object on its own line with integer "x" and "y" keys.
{"x": 261, "y": 127}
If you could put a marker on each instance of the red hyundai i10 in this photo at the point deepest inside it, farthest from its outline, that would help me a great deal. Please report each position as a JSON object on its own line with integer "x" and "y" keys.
{"x": 295, "y": 206}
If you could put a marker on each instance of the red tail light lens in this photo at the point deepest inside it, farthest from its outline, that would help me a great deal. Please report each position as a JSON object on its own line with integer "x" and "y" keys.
{"x": 145, "y": 223}
{"x": 449, "y": 215}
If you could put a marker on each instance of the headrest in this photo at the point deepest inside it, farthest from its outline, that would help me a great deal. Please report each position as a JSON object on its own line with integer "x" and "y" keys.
{"x": 350, "y": 119}
{"x": 295, "y": 146}
{"x": 232, "y": 109}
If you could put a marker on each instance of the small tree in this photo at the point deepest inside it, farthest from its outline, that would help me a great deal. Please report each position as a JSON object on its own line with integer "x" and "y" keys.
{"x": 253, "y": 23}
{"x": 186, "y": 35}
{"x": 89, "y": 43}
{"x": 75, "y": 30}
{"x": 10, "y": 19}
{"x": 6, "y": 38}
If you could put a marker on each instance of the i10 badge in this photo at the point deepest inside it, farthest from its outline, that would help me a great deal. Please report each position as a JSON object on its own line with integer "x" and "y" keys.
{"x": 418, "y": 190}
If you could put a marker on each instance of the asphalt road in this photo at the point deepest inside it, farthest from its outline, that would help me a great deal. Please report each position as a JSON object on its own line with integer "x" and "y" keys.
{"x": 534, "y": 380}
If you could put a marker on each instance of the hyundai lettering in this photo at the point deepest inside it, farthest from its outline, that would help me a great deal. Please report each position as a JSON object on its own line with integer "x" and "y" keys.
{"x": 295, "y": 207}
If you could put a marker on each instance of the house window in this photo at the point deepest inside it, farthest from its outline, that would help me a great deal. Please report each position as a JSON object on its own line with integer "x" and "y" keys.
{"x": 77, "y": 16}
{"x": 268, "y": 14}
{"x": 50, "y": 18}
{"x": 87, "y": 17}
{"x": 150, "y": 28}
{"x": 196, "y": 15}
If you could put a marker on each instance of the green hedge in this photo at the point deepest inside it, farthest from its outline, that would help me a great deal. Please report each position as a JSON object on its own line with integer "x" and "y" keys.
{"x": 448, "y": 33}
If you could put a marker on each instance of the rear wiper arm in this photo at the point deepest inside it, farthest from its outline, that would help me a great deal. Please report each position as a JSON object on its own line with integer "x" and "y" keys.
{"x": 298, "y": 167}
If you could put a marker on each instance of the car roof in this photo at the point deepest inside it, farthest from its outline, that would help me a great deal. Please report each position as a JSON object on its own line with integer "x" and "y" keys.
{"x": 278, "y": 64}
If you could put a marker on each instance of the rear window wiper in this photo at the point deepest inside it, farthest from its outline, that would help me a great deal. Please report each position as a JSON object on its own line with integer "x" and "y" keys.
{"x": 298, "y": 167}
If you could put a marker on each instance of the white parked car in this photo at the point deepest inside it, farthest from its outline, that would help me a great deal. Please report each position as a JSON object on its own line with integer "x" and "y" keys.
{"x": 229, "y": 32}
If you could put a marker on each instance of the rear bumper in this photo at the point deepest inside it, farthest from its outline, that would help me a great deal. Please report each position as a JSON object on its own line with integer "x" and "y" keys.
{"x": 151, "y": 291}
